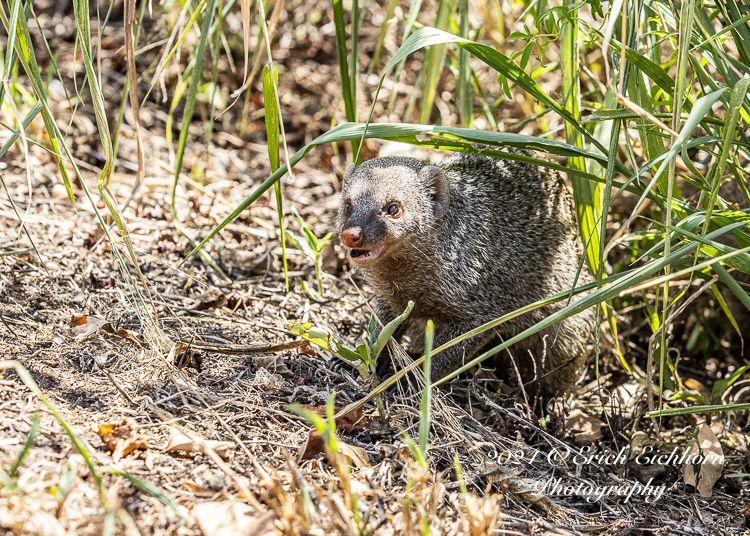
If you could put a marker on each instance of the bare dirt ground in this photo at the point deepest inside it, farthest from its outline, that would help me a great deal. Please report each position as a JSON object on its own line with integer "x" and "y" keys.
{"x": 64, "y": 316}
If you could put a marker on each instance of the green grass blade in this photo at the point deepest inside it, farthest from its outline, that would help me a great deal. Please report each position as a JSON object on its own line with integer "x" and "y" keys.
{"x": 730, "y": 131}
{"x": 432, "y": 36}
{"x": 652, "y": 70}
{"x": 695, "y": 410}
{"x": 80, "y": 445}
{"x": 388, "y": 331}
{"x": 426, "y": 405}
{"x": 702, "y": 107}
{"x": 389, "y": 15}
{"x": 187, "y": 117}
{"x": 740, "y": 32}
{"x": 147, "y": 487}
{"x": 346, "y": 85}
{"x": 414, "y": 8}
{"x": 353, "y": 57}
{"x": 586, "y": 194}
{"x": 272, "y": 133}
{"x": 28, "y": 444}
{"x": 163, "y": 62}
{"x": 728, "y": 313}
{"x": 25, "y": 51}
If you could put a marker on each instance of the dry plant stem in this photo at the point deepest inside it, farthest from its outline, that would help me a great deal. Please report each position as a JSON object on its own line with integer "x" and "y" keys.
{"x": 275, "y": 14}
{"x": 652, "y": 339}
{"x": 25, "y": 145}
{"x": 119, "y": 387}
{"x": 10, "y": 329}
{"x": 245, "y": 350}
{"x": 640, "y": 112}
{"x": 130, "y": 19}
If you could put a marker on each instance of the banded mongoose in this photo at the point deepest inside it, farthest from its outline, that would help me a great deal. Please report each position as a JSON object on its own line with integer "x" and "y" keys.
{"x": 468, "y": 240}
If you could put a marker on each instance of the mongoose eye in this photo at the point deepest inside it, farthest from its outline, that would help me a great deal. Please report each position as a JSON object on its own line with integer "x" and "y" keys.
{"x": 394, "y": 210}
{"x": 348, "y": 207}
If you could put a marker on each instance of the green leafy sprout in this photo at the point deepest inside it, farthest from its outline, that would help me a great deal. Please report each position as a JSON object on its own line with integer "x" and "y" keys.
{"x": 312, "y": 246}
{"x": 364, "y": 357}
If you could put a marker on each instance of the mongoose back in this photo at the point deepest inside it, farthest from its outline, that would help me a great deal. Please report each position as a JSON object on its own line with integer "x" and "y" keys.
{"x": 468, "y": 240}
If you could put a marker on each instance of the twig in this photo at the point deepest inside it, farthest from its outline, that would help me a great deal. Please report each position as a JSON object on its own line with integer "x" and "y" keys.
{"x": 252, "y": 349}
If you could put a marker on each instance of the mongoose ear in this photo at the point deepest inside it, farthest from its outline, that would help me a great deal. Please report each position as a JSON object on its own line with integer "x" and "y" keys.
{"x": 434, "y": 178}
{"x": 351, "y": 168}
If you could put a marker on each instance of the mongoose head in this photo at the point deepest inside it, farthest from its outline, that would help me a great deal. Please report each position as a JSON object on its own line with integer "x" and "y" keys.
{"x": 389, "y": 205}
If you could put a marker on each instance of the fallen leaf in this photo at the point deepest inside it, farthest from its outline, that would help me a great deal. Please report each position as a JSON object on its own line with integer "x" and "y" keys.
{"x": 273, "y": 363}
{"x": 198, "y": 490}
{"x": 314, "y": 445}
{"x": 351, "y": 422}
{"x": 709, "y": 462}
{"x": 213, "y": 298}
{"x": 584, "y": 429}
{"x": 131, "y": 336}
{"x": 193, "y": 443}
{"x": 122, "y": 439}
{"x": 357, "y": 455}
{"x": 233, "y": 518}
{"x": 86, "y": 326}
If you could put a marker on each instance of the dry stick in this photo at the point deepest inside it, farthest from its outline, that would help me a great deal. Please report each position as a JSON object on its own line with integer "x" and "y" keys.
{"x": 664, "y": 351}
{"x": 25, "y": 145}
{"x": 10, "y": 329}
{"x": 246, "y": 350}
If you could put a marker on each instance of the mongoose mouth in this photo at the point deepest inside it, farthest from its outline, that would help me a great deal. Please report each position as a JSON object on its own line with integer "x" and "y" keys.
{"x": 365, "y": 256}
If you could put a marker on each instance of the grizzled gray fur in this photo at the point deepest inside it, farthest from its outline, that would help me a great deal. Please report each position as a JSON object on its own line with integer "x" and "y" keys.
{"x": 468, "y": 240}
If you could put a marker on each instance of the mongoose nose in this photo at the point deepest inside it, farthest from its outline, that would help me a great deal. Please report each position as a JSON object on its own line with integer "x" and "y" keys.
{"x": 352, "y": 237}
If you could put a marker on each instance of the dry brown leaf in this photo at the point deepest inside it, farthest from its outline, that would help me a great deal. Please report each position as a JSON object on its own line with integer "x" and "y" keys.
{"x": 709, "y": 462}
{"x": 357, "y": 455}
{"x": 351, "y": 422}
{"x": 213, "y": 298}
{"x": 122, "y": 439}
{"x": 584, "y": 429}
{"x": 85, "y": 326}
{"x": 314, "y": 445}
{"x": 131, "y": 336}
{"x": 198, "y": 490}
{"x": 191, "y": 442}
{"x": 233, "y": 518}
{"x": 273, "y": 364}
